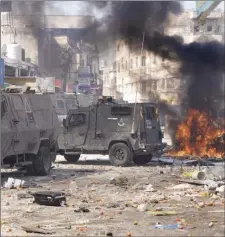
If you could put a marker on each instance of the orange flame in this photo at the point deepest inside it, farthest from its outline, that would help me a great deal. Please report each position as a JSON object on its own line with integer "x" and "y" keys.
{"x": 196, "y": 136}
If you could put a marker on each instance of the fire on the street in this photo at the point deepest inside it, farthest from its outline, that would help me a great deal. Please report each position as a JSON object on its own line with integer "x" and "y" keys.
{"x": 198, "y": 136}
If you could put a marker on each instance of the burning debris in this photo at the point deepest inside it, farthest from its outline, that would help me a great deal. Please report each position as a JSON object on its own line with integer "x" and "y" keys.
{"x": 202, "y": 67}
{"x": 199, "y": 136}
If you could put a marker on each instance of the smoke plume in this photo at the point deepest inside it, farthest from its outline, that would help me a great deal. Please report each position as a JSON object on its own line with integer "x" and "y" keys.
{"x": 202, "y": 63}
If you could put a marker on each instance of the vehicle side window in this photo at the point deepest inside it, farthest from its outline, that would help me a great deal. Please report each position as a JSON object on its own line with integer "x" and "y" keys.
{"x": 77, "y": 119}
{"x": 120, "y": 110}
{"x": 151, "y": 113}
{"x": 3, "y": 107}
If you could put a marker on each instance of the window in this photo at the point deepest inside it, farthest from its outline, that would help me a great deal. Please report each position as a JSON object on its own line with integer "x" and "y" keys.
{"x": 126, "y": 65}
{"x": 82, "y": 62}
{"x": 150, "y": 113}
{"x": 163, "y": 83}
{"x": 196, "y": 29}
{"x": 118, "y": 67}
{"x": 143, "y": 87}
{"x": 77, "y": 119}
{"x": 218, "y": 29}
{"x": 136, "y": 61}
{"x": 3, "y": 107}
{"x": 60, "y": 104}
{"x": 143, "y": 61}
{"x": 209, "y": 28}
{"x": 119, "y": 110}
{"x": 114, "y": 66}
{"x": 131, "y": 63}
{"x": 122, "y": 64}
{"x": 170, "y": 84}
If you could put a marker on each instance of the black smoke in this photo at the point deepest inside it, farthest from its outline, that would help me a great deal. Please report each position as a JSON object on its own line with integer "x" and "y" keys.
{"x": 201, "y": 64}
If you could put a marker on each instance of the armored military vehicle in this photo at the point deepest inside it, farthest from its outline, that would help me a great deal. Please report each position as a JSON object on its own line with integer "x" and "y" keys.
{"x": 29, "y": 131}
{"x": 127, "y": 132}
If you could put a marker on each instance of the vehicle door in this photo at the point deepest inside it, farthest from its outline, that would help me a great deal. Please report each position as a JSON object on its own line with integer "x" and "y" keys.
{"x": 20, "y": 123}
{"x": 151, "y": 124}
{"x": 7, "y": 131}
{"x": 76, "y": 130}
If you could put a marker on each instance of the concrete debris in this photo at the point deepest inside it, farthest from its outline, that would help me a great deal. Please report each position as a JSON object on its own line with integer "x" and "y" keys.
{"x": 82, "y": 209}
{"x": 221, "y": 189}
{"x": 163, "y": 213}
{"x": 99, "y": 206}
{"x": 119, "y": 181}
{"x": 157, "y": 198}
{"x": 150, "y": 188}
{"x": 142, "y": 207}
{"x": 18, "y": 183}
{"x": 23, "y": 195}
{"x": 37, "y": 230}
{"x": 184, "y": 186}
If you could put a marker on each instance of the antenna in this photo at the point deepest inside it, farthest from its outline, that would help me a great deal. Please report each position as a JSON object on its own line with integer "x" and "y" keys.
{"x": 135, "y": 105}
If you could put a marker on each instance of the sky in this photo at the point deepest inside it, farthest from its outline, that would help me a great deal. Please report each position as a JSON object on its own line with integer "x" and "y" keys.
{"x": 76, "y": 7}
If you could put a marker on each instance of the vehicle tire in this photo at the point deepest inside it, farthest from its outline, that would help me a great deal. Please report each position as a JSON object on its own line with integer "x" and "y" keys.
{"x": 72, "y": 158}
{"x": 120, "y": 155}
{"x": 142, "y": 160}
{"x": 42, "y": 162}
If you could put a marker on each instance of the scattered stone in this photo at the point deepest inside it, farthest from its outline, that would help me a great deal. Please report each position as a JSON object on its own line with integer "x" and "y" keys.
{"x": 157, "y": 198}
{"x": 220, "y": 189}
{"x": 82, "y": 209}
{"x": 113, "y": 205}
{"x": 214, "y": 197}
{"x": 183, "y": 186}
{"x": 119, "y": 181}
{"x": 109, "y": 234}
{"x": 211, "y": 224}
{"x": 142, "y": 207}
{"x": 176, "y": 197}
{"x": 201, "y": 204}
{"x": 150, "y": 188}
{"x": 23, "y": 195}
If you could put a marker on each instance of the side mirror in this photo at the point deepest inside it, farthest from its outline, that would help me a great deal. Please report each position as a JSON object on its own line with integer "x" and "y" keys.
{"x": 64, "y": 123}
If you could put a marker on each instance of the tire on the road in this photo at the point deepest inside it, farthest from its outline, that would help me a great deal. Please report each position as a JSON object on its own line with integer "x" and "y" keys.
{"x": 142, "y": 160}
{"x": 71, "y": 158}
{"x": 41, "y": 163}
{"x": 120, "y": 155}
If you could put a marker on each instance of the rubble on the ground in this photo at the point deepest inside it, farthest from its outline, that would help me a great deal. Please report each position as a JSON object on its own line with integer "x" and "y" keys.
{"x": 116, "y": 201}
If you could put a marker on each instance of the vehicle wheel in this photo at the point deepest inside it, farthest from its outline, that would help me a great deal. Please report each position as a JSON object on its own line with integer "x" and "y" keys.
{"x": 72, "y": 158}
{"x": 42, "y": 162}
{"x": 120, "y": 155}
{"x": 142, "y": 160}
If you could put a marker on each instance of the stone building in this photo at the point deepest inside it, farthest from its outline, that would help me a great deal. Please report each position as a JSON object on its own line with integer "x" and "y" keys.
{"x": 143, "y": 76}
{"x": 48, "y": 41}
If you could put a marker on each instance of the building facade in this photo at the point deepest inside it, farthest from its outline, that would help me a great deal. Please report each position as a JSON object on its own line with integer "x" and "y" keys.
{"x": 141, "y": 76}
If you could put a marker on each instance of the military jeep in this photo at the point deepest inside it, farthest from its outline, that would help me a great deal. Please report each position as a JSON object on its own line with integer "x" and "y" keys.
{"x": 29, "y": 131}
{"x": 126, "y": 132}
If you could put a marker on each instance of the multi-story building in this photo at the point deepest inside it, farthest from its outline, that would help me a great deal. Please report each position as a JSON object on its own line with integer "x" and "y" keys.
{"x": 46, "y": 42}
{"x": 143, "y": 76}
